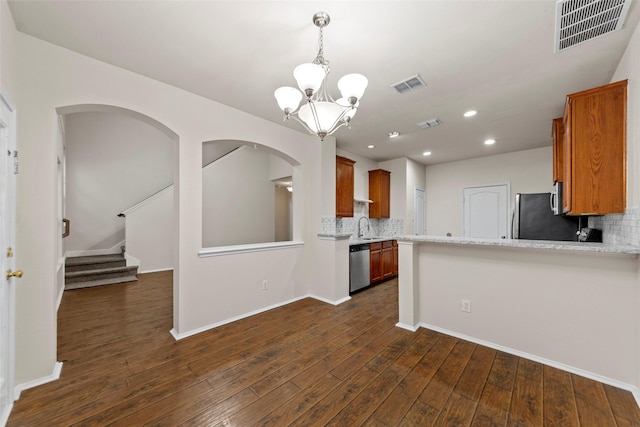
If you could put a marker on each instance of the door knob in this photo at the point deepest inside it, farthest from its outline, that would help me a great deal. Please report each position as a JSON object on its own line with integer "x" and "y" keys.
{"x": 17, "y": 273}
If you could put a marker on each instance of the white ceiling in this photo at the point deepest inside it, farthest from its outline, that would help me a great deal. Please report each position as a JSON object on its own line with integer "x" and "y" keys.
{"x": 496, "y": 57}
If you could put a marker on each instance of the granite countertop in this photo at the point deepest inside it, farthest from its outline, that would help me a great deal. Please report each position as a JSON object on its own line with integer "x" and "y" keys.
{"x": 371, "y": 239}
{"x": 534, "y": 244}
{"x": 367, "y": 239}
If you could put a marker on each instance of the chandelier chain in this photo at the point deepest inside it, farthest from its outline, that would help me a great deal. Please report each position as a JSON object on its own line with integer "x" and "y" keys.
{"x": 320, "y": 59}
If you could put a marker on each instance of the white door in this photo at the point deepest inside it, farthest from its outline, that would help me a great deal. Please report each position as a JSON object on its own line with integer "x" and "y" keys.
{"x": 486, "y": 211}
{"x": 8, "y": 169}
{"x": 419, "y": 217}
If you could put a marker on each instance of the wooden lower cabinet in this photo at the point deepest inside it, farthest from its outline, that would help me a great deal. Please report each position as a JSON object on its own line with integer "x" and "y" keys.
{"x": 395, "y": 257}
{"x": 375, "y": 262}
{"x": 383, "y": 260}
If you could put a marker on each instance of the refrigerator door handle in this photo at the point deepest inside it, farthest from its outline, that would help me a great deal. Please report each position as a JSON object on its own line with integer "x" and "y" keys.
{"x": 552, "y": 202}
{"x": 515, "y": 221}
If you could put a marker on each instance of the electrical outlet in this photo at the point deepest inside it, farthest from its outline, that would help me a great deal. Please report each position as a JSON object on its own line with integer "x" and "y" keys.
{"x": 466, "y": 306}
{"x": 264, "y": 285}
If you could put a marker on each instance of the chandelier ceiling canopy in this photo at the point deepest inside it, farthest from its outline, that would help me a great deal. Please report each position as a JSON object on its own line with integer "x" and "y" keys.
{"x": 319, "y": 113}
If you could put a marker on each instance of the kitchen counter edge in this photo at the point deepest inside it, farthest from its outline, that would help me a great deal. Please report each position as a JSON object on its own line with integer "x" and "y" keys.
{"x": 530, "y": 244}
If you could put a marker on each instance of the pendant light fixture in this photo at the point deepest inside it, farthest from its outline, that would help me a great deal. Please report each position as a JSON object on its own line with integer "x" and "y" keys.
{"x": 319, "y": 113}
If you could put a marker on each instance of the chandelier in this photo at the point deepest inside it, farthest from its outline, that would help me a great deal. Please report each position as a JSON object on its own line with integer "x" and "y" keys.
{"x": 320, "y": 114}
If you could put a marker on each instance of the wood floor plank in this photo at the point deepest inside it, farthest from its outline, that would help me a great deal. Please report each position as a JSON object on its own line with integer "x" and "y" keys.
{"x": 592, "y": 403}
{"x": 204, "y": 406}
{"x": 559, "y": 401}
{"x": 526, "y": 400}
{"x": 420, "y": 414}
{"x": 304, "y": 364}
{"x": 503, "y": 370}
{"x": 493, "y": 407}
{"x": 458, "y": 411}
{"x": 396, "y": 405}
{"x": 370, "y": 398}
{"x": 325, "y": 409}
{"x": 623, "y": 405}
{"x": 441, "y": 385}
{"x": 475, "y": 374}
{"x": 285, "y": 414}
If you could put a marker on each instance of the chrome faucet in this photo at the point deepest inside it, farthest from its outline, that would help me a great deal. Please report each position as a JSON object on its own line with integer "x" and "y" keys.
{"x": 360, "y": 228}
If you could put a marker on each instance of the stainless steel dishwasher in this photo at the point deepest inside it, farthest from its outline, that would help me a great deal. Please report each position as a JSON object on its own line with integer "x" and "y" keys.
{"x": 358, "y": 266}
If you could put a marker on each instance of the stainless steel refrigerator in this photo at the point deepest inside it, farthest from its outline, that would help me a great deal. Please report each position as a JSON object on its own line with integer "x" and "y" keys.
{"x": 533, "y": 219}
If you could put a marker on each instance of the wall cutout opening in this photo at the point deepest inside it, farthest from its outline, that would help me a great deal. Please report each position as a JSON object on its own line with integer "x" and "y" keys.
{"x": 247, "y": 193}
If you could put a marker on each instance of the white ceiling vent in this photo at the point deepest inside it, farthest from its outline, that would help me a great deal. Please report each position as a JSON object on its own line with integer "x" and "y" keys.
{"x": 429, "y": 123}
{"x": 409, "y": 84}
{"x": 578, "y": 21}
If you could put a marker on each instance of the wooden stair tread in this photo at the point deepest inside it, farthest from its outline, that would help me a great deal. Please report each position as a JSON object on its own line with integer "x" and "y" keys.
{"x": 94, "y": 259}
{"x": 101, "y": 271}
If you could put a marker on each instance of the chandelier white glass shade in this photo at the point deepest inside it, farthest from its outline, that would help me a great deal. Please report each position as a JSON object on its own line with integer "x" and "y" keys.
{"x": 319, "y": 113}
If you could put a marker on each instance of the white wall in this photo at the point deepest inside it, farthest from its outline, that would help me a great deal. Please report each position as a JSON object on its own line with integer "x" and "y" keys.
{"x": 238, "y": 199}
{"x": 629, "y": 68}
{"x": 8, "y": 52}
{"x": 576, "y": 310}
{"x": 283, "y": 214}
{"x": 113, "y": 162}
{"x": 149, "y": 233}
{"x": 528, "y": 171}
{"x": 206, "y": 290}
{"x": 416, "y": 178}
{"x": 360, "y": 173}
{"x": 398, "y": 191}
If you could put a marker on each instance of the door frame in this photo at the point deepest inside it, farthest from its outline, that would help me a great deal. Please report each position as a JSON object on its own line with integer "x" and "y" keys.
{"x": 8, "y": 120}
{"x": 508, "y": 205}
{"x": 415, "y": 210}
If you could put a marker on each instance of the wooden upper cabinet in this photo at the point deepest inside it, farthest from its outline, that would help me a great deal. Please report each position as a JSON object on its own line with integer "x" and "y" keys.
{"x": 594, "y": 152}
{"x": 344, "y": 187}
{"x": 379, "y": 193}
{"x": 557, "y": 133}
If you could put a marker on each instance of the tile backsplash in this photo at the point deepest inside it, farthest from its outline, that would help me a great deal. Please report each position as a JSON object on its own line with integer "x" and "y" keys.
{"x": 622, "y": 229}
{"x": 387, "y": 227}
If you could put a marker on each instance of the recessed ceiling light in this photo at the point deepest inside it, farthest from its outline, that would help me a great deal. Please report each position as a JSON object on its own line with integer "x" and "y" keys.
{"x": 371, "y": 146}
{"x": 470, "y": 113}
{"x": 394, "y": 134}
{"x": 489, "y": 142}
{"x": 426, "y": 153}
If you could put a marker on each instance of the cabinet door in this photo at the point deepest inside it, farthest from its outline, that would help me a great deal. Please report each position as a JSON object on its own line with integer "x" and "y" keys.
{"x": 387, "y": 259}
{"x": 395, "y": 258}
{"x": 557, "y": 133}
{"x": 597, "y": 127}
{"x": 380, "y": 193}
{"x": 375, "y": 258}
{"x": 344, "y": 187}
{"x": 567, "y": 177}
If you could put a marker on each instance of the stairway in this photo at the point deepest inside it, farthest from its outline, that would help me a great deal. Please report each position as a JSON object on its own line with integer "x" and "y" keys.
{"x": 88, "y": 271}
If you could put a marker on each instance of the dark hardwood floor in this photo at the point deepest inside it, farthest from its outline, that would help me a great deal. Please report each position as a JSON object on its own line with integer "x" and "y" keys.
{"x": 308, "y": 363}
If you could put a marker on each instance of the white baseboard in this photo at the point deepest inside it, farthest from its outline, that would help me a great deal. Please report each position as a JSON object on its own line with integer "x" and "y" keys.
{"x": 407, "y": 327}
{"x": 183, "y": 335}
{"x": 567, "y": 368}
{"x": 156, "y": 271}
{"x": 59, "y": 301}
{"x": 5, "y": 417}
{"x": 328, "y": 301}
{"x": 55, "y": 375}
{"x": 131, "y": 261}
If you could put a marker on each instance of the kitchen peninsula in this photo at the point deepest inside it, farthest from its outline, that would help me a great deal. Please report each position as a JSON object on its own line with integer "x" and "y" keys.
{"x": 572, "y": 305}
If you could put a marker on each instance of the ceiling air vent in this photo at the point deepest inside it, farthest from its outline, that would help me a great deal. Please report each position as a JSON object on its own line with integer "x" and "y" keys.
{"x": 409, "y": 84}
{"x": 578, "y": 21}
{"x": 429, "y": 123}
